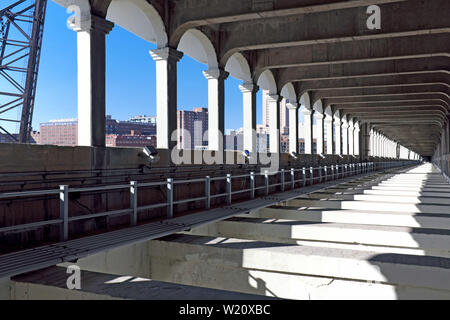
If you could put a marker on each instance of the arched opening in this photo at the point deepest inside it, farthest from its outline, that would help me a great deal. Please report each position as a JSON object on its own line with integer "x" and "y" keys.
{"x": 286, "y": 123}
{"x": 193, "y": 89}
{"x": 239, "y": 71}
{"x": 267, "y": 86}
{"x": 131, "y": 77}
{"x": 318, "y": 128}
{"x": 305, "y": 132}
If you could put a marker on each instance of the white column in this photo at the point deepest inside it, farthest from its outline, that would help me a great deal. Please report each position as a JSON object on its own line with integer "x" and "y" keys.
{"x": 308, "y": 127}
{"x": 216, "y": 107}
{"x": 344, "y": 137}
{"x": 293, "y": 126}
{"x": 338, "y": 136}
{"x": 371, "y": 134}
{"x": 166, "y": 95}
{"x": 329, "y": 127}
{"x": 356, "y": 133}
{"x": 273, "y": 102}
{"x": 320, "y": 134}
{"x": 351, "y": 141}
{"x": 91, "y": 58}
{"x": 249, "y": 91}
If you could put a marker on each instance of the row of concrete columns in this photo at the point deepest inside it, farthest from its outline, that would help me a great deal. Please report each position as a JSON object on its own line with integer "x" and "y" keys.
{"x": 91, "y": 34}
{"x": 382, "y": 146}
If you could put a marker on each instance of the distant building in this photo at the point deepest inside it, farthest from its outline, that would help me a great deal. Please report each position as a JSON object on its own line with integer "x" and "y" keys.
{"x": 192, "y": 126}
{"x": 143, "y": 119}
{"x": 130, "y": 140}
{"x": 63, "y": 132}
{"x": 5, "y": 138}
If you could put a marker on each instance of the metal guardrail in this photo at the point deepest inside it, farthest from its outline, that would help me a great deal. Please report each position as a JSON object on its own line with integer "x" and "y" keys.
{"x": 316, "y": 175}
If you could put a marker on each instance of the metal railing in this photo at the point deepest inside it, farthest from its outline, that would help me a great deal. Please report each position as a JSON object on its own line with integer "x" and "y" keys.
{"x": 308, "y": 176}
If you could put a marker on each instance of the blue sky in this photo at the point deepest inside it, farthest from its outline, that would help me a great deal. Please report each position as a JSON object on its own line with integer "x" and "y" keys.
{"x": 130, "y": 87}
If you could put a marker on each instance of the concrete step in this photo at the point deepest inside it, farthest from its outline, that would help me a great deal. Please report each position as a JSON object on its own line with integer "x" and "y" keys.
{"x": 297, "y": 272}
{"x": 402, "y": 219}
{"x": 410, "y": 188}
{"x": 367, "y": 205}
{"x": 51, "y": 284}
{"x": 422, "y": 185}
{"x": 329, "y": 235}
{"x": 381, "y": 198}
{"x": 432, "y": 241}
{"x": 408, "y": 193}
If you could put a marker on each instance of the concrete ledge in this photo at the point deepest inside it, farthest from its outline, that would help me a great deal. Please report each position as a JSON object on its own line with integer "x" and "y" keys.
{"x": 50, "y": 284}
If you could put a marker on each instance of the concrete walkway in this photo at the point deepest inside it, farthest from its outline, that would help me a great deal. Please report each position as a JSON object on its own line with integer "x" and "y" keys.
{"x": 383, "y": 236}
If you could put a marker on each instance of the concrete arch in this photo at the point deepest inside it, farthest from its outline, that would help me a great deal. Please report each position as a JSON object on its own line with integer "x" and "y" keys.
{"x": 266, "y": 81}
{"x": 288, "y": 92}
{"x": 140, "y": 18}
{"x": 238, "y": 67}
{"x": 337, "y": 115}
{"x": 305, "y": 101}
{"x": 197, "y": 45}
{"x": 329, "y": 112}
{"x": 318, "y": 106}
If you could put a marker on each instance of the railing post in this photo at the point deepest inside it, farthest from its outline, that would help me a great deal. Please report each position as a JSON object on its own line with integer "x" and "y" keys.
{"x": 282, "y": 179}
{"x": 292, "y": 178}
{"x": 320, "y": 174}
{"x": 228, "y": 189}
{"x": 208, "y": 192}
{"x": 64, "y": 212}
{"x": 133, "y": 202}
{"x": 344, "y": 174}
{"x": 169, "y": 198}
{"x": 311, "y": 175}
{"x": 332, "y": 172}
{"x": 337, "y": 172}
{"x": 304, "y": 176}
{"x": 266, "y": 182}
{"x": 325, "y": 169}
{"x": 252, "y": 185}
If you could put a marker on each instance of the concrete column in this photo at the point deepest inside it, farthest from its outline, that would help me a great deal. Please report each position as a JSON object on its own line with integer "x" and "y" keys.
{"x": 308, "y": 127}
{"x": 338, "y": 136}
{"x": 371, "y": 151}
{"x": 345, "y": 127}
{"x": 320, "y": 133}
{"x": 356, "y": 136}
{"x": 293, "y": 127}
{"x": 329, "y": 127}
{"x": 91, "y": 58}
{"x": 273, "y": 102}
{"x": 249, "y": 91}
{"x": 166, "y": 94}
{"x": 216, "y": 108}
{"x": 351, "y": 140}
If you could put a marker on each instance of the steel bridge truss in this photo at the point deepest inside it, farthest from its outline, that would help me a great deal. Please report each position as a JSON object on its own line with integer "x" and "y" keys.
{"x": 21, "y": 31}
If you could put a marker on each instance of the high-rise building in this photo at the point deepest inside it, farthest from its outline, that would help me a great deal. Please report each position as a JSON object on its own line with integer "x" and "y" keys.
{"x": 192, "y": 126}
{"x": 284, "y": 114}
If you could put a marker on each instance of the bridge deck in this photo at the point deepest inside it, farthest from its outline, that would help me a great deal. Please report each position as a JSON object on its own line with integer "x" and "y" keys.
{"x": 50, "y": 255}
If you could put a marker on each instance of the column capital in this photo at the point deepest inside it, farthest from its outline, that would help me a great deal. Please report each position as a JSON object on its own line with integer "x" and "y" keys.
{"x": 307, "y": 112}
{"x": 328, "y": 119}
{"x": 345, "y": 125}
{"x": 91, "y": 23}
{"x": 166, "y": 53}
{"x": 217, "y": 74}
{"x": 248, "y": 87}
{"x": 318, "y": 116}
{"x": 292, "y": 105}
{"x": 274, "y": 98}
